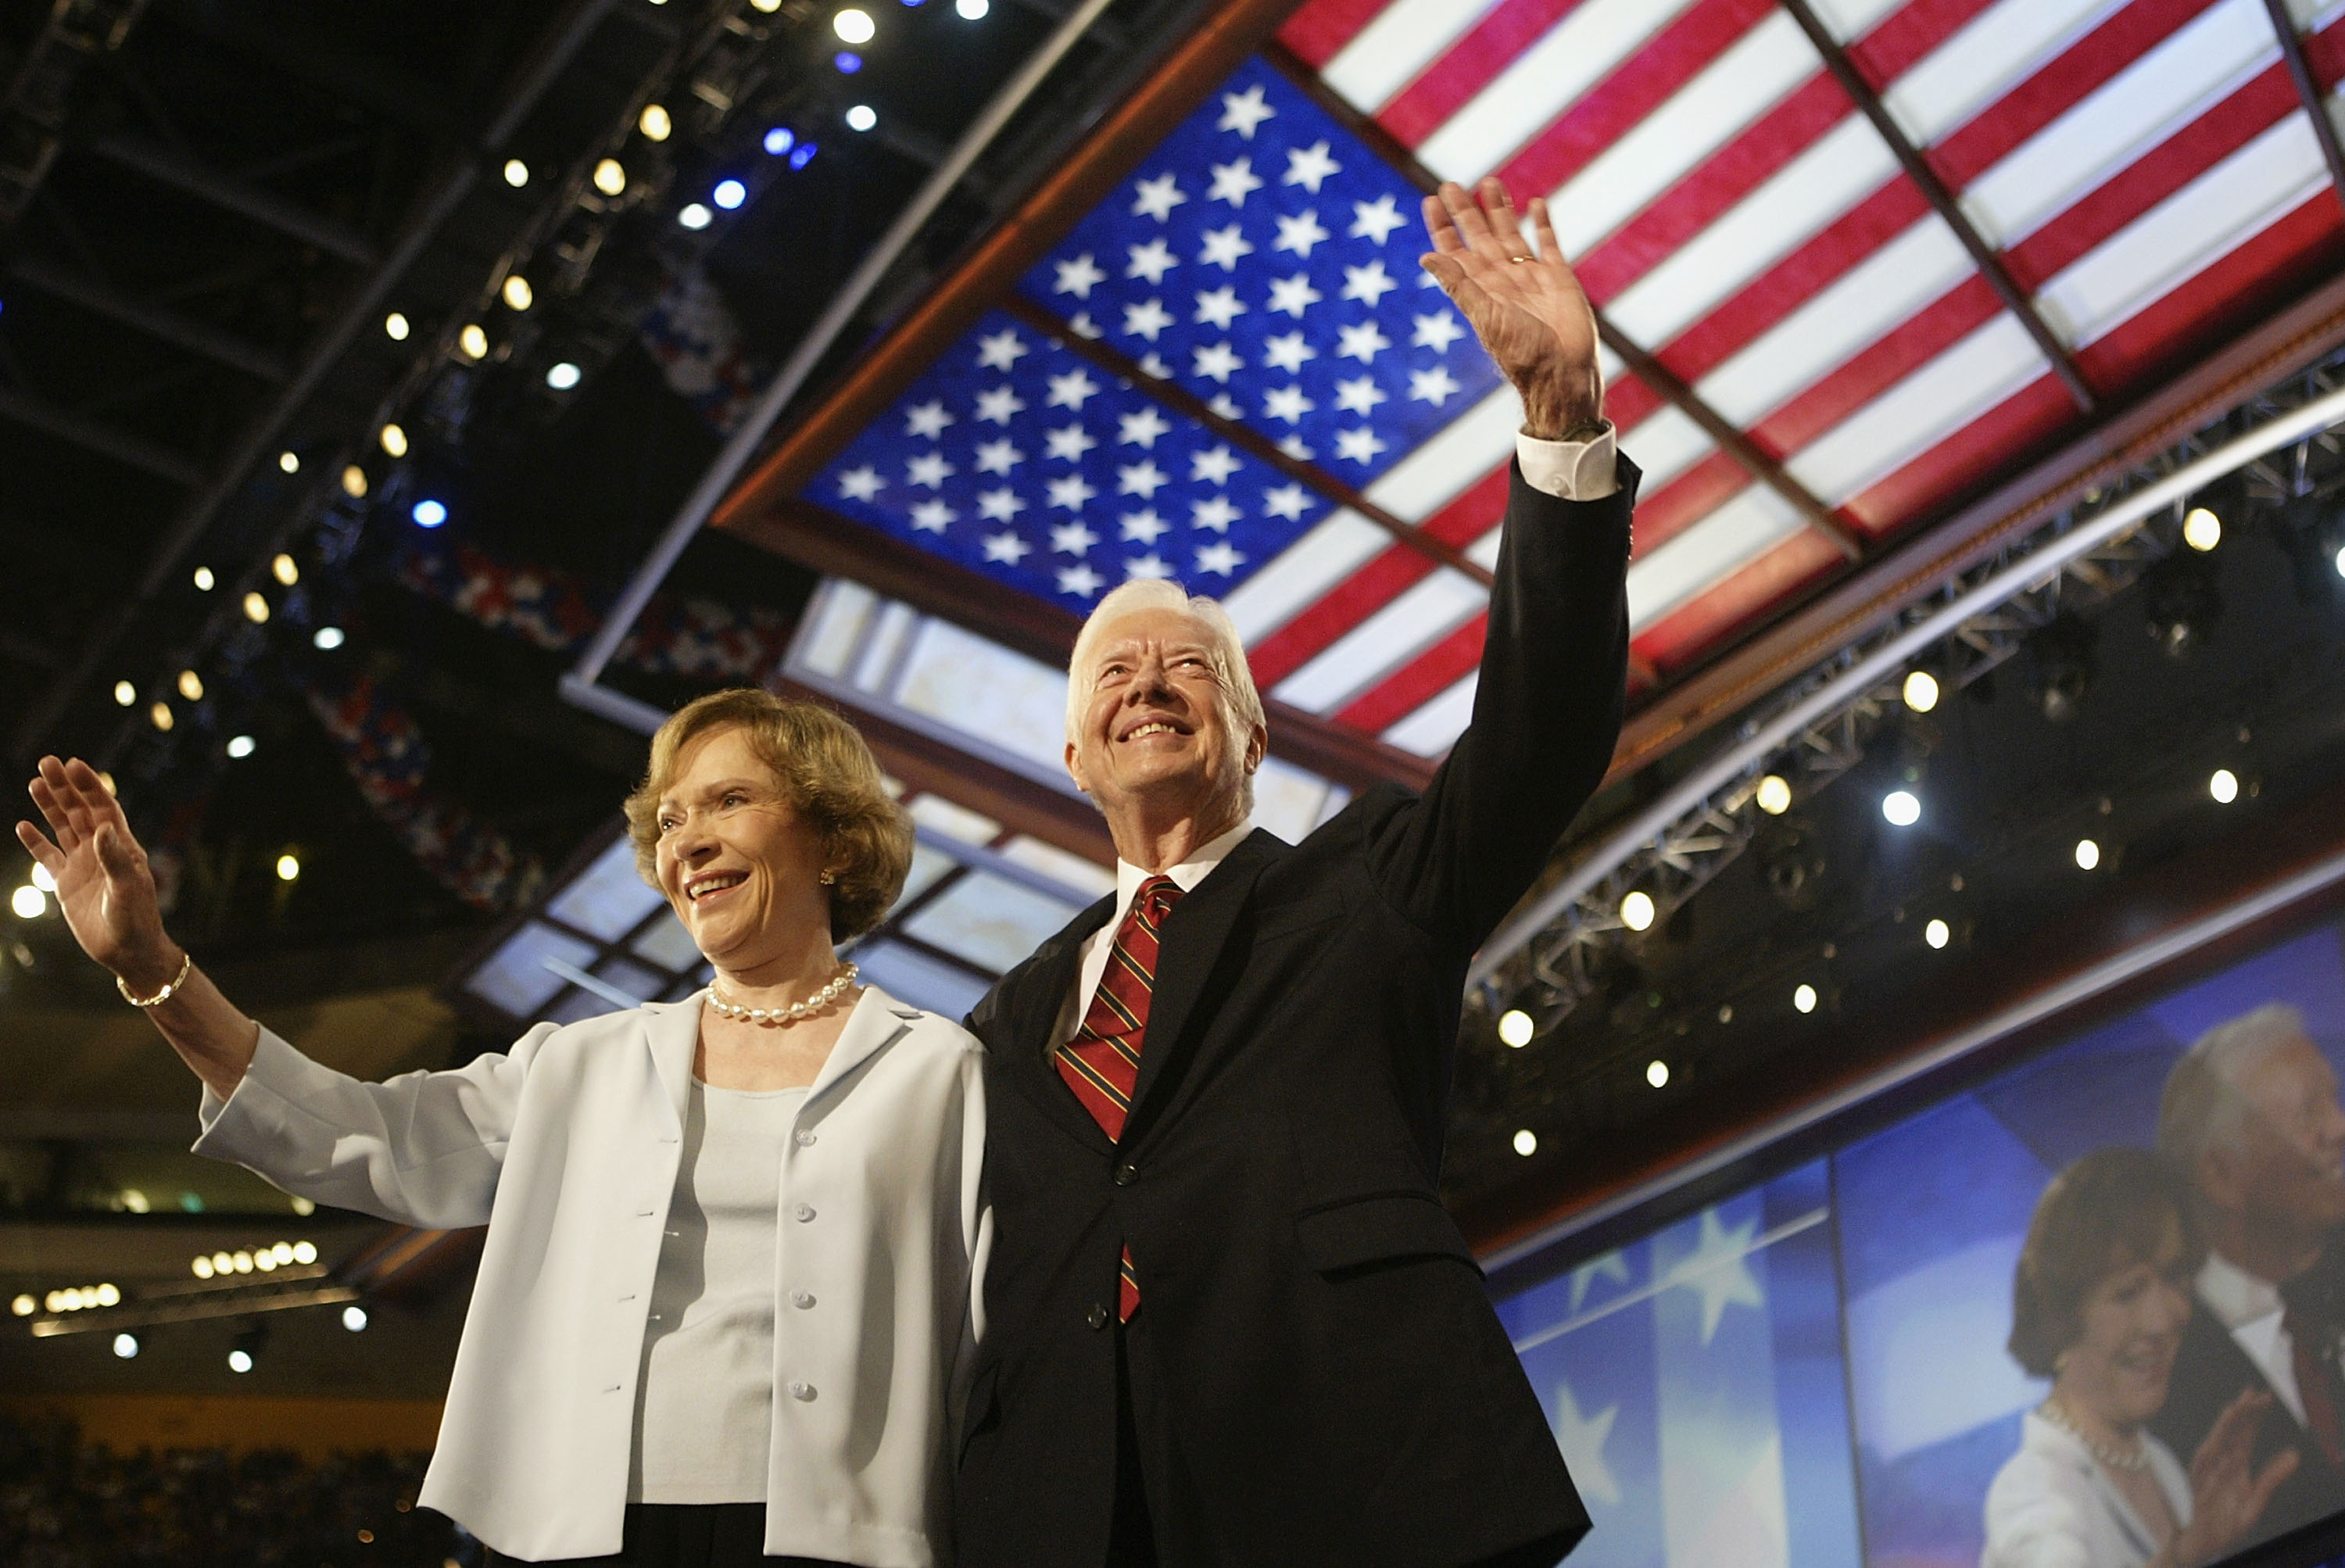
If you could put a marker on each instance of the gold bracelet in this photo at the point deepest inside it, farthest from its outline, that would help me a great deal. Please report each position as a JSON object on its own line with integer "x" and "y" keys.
{"x": 186, "y": 963}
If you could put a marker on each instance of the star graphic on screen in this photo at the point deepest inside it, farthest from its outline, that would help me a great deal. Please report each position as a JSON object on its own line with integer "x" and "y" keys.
{"x": 999, "y": 505}
{"x": 1140, "y": 428}
{"x": 1007, "y": 548}
{"x": 1288, "y": 501}
{"x": 1219, "y": 363}
{"x": 1214, "y": 466}
{"x": 1233, "y": 182}
{"x": 1144, "y": 525}
{"x": 930, "y": 516}
{"x": 1070, "y": 390}
{"x": 1375, "y": 219}
{"x": 1219, "y": 559}
{"x": 1293, "y": 295}
{"x": 1287, "y": 353}
{"x": 1081, "y": 581}
{"x": 999, "y": 405}
{"x": 1612, "y": 1266}
{"x": 926, "y": 420}
{"x": 1214, "y": 512}
{"x": 1308, "y": 166}
{"x": 1582, "y": 1439}
{"x": 1001, "y": 351}
{"x": 1438, "y": 331}
{"x": 1069, "y": 442}
{"x": 1286, "y": 402}
{"x": 1071, "y": 491}
{"x": 1143, "y": 479}
{"x": 1362, "y": 341}
{"x": 998, "y": 457}
{"x": 1359, "y": 395}
{"x": 1219, "y": 307}
{"x": 1079, "y": 277}
{"x": 1360, "y": 446}
{"x": 1224, "y": 247}
{"x": 1072, "y": 539}
{"x": 1146, "y": 319}
{"x": 930, "y": 468}
{"x": 1293, "y": 445}
{"x": 1435, "y": 386}
{"x": 1242, "y": 112}
{"x": 1157, "y": 197}
{"x": 1150, "y": 262}
{"x": 1299, "y": 233}
{"x": 1368, "y": 284}
{"x": 861, "y": 483}
{"x": 1719, "y": 1270}
{"x": 1148, "y": 566}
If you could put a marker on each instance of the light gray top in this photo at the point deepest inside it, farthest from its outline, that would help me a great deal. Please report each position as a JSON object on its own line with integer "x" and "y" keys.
{"x": 704, "y": 1403}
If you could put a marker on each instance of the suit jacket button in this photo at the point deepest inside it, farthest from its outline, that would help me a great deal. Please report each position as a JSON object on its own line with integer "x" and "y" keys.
{"x": 1125, "y": 1175}
{"x": 1096, "y": 1316}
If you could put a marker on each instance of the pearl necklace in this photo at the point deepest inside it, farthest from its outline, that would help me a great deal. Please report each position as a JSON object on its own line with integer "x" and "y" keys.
{"x": 793, "y": 1012}
{"x": 2137, "y": 1460}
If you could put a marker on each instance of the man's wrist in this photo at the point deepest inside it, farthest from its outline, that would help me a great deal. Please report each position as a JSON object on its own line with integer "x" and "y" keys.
{"x": 1564, "y": 407}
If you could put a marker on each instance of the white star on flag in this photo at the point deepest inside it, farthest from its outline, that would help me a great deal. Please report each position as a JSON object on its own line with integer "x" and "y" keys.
{"x": 1224, "y": 247}
{"x": 1001, "y": 351}
{"x": 1070, "y": 390}
{"x": 1218, "y": 362}
{"x": 1359, "y": 395}
{"x": 1436, "y": 331}
{"x": 1241, "y": 112}
{"x": 1233, "y": 182}
{"x": 1287, "y": 353}
{"x": 1375, "y": 219}
{"x": 1146, "y": 319}
{"x": 926, "y": 420}
{"x": 1144, "y": 525}
{"x": 1299, "y": 233}
{"x": 1082, "y": 326}
{"x": 1291, "y": 445}
{"x": 1219, "y": 307}
{"x": 1000, "y": 405}
{"x": 1007, "y": 548}
{"x": 998, "y": 457}
{"x": 930, "y": 516}
{"x": 1225, "y": 405}
{"x": 1287, "y": 500}
{"x": 1293, "y": 295}
{"x": 1434, "y": 386}
{"x": 1368, "y": 284}
{"x": 1079, "y": 277}
{"x": 1080, "y": 580}
{"x": 1308, "y": 166}
{"x": 1147, "y": 566}
{"x": 861, "y": 483}
{"x": 1000, "y": 505}
{"x": 1140, "y": 429}
{"x": 1154, "y": 364}
{"x": 1214, "y": 466}
{"x": 1150, "y": 262}
{"x": 1360, "y": 446}
{"x": 930, "y": 468}
{"x": 1362, "y": 341}
{"x": 1071, "y": 491}
{"x": 1286, "y": 402}
{"x": 1143, "y": 479}
{"x": 1214, "y": 512}
{"x": 1157, "y": 197}
{"x": 1069, "y": 442}
{"x": 1072, "y": 539}
{"x": 1220, "y": 559}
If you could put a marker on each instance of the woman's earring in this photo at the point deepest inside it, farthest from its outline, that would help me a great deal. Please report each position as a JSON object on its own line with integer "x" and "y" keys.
{"x": 827, "y": 879}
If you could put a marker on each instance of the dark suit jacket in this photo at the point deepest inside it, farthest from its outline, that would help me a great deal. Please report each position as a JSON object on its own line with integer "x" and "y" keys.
{"x": 1336, "y": 1387}
{"x": 2210, "y": 1370}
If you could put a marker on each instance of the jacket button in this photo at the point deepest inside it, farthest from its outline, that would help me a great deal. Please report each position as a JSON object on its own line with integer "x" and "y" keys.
{"x": 1096, "y": 1316}
{"x": 1125, "y": 1175}
{"x": 802, "y": 1391}
{"x": 804, "y": 1139}
{"x": 803, "y": 1212}
{"x": 801, "y": 1299}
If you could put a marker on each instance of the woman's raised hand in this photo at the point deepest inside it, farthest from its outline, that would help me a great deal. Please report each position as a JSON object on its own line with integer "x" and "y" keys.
{"x": 104, "y": 884}
{"x": 2228, "y": 1494}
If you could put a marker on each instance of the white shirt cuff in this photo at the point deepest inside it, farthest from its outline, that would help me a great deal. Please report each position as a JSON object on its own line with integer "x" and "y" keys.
{"x": 1569, "y": 470}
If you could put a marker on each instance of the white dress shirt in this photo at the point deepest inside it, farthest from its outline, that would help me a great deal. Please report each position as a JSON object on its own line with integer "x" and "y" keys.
{"x": 1569, "y": 470}
{"x": 2252, "y": 1311}
{"x": 2053, "y": 1506}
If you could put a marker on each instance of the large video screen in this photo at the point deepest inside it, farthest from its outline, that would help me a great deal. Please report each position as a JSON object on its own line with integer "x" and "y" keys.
{"x": 2085, "y": 1314}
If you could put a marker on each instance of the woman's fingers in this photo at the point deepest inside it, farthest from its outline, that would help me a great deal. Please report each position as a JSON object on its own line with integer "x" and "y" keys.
{"x": 37, "y": 844}
{"x": 55, "y": 810}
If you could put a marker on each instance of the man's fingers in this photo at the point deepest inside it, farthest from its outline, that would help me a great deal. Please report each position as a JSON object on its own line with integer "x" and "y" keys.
{"x": 1473, "y": 224}
{"x": 2277, "y": 1469}
{"x": 95, "y": 797}
{"x": 1439, "y": 227}
{"x": 1506, "y": 224}
{"x": 1550, "y": 248}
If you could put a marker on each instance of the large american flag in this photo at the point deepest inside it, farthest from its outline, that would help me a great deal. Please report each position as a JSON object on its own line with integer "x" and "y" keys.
{"x": 2142, "y": 168}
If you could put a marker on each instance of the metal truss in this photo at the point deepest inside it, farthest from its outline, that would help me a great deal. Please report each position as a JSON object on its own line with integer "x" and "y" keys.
{"x": 41, "y": 93}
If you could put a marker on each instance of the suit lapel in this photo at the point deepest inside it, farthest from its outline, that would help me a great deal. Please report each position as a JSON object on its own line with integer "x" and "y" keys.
{"x": 673, "y": 1031}
{"x": 874, "y": 1023}
{"x": 1194, "y": 934}
{"x": 1035, "y": 996}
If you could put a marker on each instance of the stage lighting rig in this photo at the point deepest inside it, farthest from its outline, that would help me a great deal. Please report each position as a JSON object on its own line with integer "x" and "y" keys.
{"x": 2181, "y": 603}
{"x": 2063, "y": 657}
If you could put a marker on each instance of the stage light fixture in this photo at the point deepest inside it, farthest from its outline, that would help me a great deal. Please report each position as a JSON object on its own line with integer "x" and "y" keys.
{"x": 861, "y": 118}
{"x": 125, "y": 694}
{"x": 472, "y": 342}
{"x": 125, "y": 1346}
{"x": 1937, "y": 933}
{"x": 281, "y": 566}
{"x": 1901, "y": 807}
{"x": 288, "y": 462}
{"x": 394, "y": 440}
{"x": 289, "y": 867}
{"x": 1920, "y": 691}
{"x": 564, "y": 376}
{"x": 767, "y": 6}
{"x": 395, "y": 327}
{"x": 655, "y": 123}
{"x": 428, "y": 514}
{"x": 1515, "y": 1028}
{"x": 516, "y": 173}
{"x": 803, "y": 154}
{"x": 2223, "y": 785}
{"x": 326, "y": 639}
{"x": 519, "y": 295}
{"x": 848, "y": 61}
{"x": 853, "y": 25}
{"x": 239, "y": 747}
{"x": 729, "y": 194}
{"x": 695, "y": 216}
{"x": 354, "y": 482}
{"x": 2201, "y": 529}
{"x": 2181, "y": 604}
{"x": 1773, "y": 794}
{"x": 23, "y": 1306}
{"x": 28, "y": 903}
{"x": 160, "y": 717}
{"x": 240, "y": 1360}
{"x": 47, "y": 884}
{"x": 204, "y": 579}
{"x": 305, "y": 1253}
{"x": 256, "y": 609}
{"x": 1525, "y": 1143}
{"x": 2088, "y": 854}
{"x": 1803, "y": 998}
{"x": 354, "y": 1318}
{"x": 192, "y": 685}
{"x": 1636, "y": 909}
{"x": 971, "y": 10}
{"x": 610, "y": 177}
{"x": 2063, "y": 659}
{"x": 2341, "y": 561}
{"x": 779, "y": 140}
{"x": 1656, "y": 1073}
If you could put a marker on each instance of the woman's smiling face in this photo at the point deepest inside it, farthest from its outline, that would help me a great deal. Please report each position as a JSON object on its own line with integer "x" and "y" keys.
{"x": 739, "y": 866}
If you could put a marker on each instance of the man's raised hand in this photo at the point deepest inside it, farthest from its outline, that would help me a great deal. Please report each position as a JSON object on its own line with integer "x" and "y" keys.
{"x": 1529, "y": 309}
{"x": 104, "y": 884}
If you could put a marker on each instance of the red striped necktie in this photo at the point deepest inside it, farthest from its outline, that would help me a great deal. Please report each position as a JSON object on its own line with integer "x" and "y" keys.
{"x": 1101, "y": 1062}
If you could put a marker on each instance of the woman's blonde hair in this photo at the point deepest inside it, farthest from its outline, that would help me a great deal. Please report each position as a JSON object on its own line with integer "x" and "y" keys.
{"x": 828, "y": 772}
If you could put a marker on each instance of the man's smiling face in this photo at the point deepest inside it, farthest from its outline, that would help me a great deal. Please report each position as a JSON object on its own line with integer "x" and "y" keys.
{"x": 1155, "y": 723}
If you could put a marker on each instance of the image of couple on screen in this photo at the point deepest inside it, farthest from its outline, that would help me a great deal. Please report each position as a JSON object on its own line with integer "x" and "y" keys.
{"x": 2188, "y": 1308}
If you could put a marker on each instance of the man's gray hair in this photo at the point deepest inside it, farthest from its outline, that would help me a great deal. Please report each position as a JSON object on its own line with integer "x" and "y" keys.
{"x": 1242, "y": 703}
{"x": 2202, "y": 1108}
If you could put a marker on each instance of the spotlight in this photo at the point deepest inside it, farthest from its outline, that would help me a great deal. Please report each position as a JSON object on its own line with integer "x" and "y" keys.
{"x": 1525, "y": 1141}
{"x": 204, "y": 579}
{"x": 2181, "y": 604}
{"x": 1636, "y": 909}
{"x": 1920, "y": 691}
{"x": 654, "y": 122}
{"x": 516, "y": 173}
{"x": 240, "y": 1360}
{"x": 729, "y": 194}
{"x": 861, "y": 118}
{"x": 2224, "y": 786}
{"x": 2063, "y": 668}
{"x": 803, "y": 154}
{"x": 1656, "y": 1073}
{"x": 1901, "y": 807}
{"x": 354, "y": 1318}
{"x": 326, "y": 639}
{"x": 395, "y": 327}
{"x": 767, "y": 6}
{"x": 1804, "y": 998}
{"x": 281, "y": 567}
{"x": 971, "y": 10}
{"x": 239, "y": 747}
{"x": 428, "y": 514}
{"x": 609, "y": 178}
{"x": 125, "y": 1346}
{"x": 289, "y": 867}
{"x": 853, "y": 26}
{"x": 695, "y": 216}
{"x": 354, "y": 482}
{"x": 2201, "y": 529}
{"x": 1937, "y": 933}
{"x": 305, "y": 1253}
{"x": 23, "y": 1306}
{"x": 2341, "y": 561}
{"x": 256, "y": 609}
{"x": 202, "y": 1267}
{"x": 472, "y": 342}
{"x": 28, "y": 903}
{"x": 43, "y": 881}
{"x": 159, "y": 715}
{"x": 518, "y": 295}
{"x": 2088, "y": 854}
{"x": 1792, "y": 863}
{"x": 288, "y": 462}
{"x": 125, "y": 694}
{"x": 563, "y": 376}
{"x": 1773, "y": 794}
{"x": 1515, "y": 1027}
{"x": 779, "y": 140}
{"x": 394, "y": 441}
{"x": 848, "y": 61}
{"x": 192, "y": 685}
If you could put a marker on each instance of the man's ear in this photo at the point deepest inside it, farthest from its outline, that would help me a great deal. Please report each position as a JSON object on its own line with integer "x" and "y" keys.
{"x": 2222, "y": 1177}
{"x": 1257, "y": 744}
{"x": 1075, "y": 769}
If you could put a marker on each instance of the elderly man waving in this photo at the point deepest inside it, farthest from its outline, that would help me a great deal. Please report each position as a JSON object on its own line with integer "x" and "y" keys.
{"x": 1232, "y": 1321}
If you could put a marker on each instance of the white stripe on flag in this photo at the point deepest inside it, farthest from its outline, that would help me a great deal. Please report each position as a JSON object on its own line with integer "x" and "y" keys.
{"x": 1386, "y": 55}
{"x": 1461, "y": 452}
{"x": 1388, "y": 639}
{"x": 1849, "y": 20}
{"x": 2001, "y": 45}
{"x": 1668, "y": 443}
{"x": 1754, "y": 521}
{"x": 1429, "y": 731}
{"x": 1921, "y": 411}
{"x": 1304, "y": 570}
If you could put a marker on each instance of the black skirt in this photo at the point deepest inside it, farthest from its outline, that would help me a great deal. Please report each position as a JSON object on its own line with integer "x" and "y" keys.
{"x": 686, "y": 1535}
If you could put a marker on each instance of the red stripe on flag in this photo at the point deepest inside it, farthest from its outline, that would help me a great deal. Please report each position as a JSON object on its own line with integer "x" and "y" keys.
{"x": 1701, "y": 198}
{"x": 1693, "y": 627}
{"x": 1687, "y": 500}
{"x": 1471, "y": 64}
{"x": 1318, "y": 31}
{"x": 1904, "y": 348}
{"x": 1636, "y": 88}
{"x": 1419, "y": 681}
{"x": 1901, "y": 39}
{"x": 1628, "y": 402}
{"x": 1997, "y": 438}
